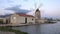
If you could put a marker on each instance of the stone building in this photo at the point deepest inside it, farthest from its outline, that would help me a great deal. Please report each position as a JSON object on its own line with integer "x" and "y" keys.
{"x": 22, "y": 19}
{"x": 4, "y": 19}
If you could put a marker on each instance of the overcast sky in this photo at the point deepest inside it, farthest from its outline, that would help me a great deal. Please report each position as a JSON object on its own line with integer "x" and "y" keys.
{"x": 48, "y": 8}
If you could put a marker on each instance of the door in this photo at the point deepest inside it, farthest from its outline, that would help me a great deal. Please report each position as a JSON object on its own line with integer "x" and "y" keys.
{"x": 25, "y": 20}
{"x": 6, "y": 21}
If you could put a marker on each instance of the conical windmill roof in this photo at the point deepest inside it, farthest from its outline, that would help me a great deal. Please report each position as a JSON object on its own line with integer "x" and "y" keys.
{"x": 37, "y": 10}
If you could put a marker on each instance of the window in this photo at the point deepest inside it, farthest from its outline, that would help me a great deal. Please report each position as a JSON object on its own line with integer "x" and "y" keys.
{"x": 32, "y": 19}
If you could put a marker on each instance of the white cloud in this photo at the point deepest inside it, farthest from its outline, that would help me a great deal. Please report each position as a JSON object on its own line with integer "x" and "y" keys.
{"x": 3, "y": 12}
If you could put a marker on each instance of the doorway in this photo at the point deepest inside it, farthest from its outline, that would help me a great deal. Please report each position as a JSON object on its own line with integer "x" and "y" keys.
{"x": 25, "y": 20}
{"x": 6, "y": 21}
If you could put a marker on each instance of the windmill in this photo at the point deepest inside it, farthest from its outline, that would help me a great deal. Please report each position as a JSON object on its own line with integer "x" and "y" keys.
{"x": 36, "y": 8}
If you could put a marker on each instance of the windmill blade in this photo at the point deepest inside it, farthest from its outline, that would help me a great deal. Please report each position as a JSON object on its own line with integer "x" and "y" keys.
{"x": 40, "y": 5}
{"x": 32, "y": 11}
{"x": 42, "y": 11}
{"x": 35, "y": 5}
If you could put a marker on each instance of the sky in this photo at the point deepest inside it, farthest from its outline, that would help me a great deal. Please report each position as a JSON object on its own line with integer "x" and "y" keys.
{"x": 49, "y": 8}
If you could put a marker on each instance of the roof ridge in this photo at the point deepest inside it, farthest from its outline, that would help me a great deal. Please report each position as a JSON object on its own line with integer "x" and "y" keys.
{"x": 26, "y": 15}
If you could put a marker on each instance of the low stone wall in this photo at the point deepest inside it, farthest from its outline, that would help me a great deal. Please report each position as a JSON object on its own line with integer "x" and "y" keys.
{"x": 41, "y": 21}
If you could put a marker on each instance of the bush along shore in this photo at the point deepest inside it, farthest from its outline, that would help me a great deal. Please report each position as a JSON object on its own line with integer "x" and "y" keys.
{"x": 9, "y": 29}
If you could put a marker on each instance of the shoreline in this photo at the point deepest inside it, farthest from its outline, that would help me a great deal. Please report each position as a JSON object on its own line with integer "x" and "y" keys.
{"x": 17, "y": 25}
{"x": 9, "y": 29}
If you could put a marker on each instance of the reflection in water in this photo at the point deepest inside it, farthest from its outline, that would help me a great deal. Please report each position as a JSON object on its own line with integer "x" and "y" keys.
{"x": 41, "y": 29}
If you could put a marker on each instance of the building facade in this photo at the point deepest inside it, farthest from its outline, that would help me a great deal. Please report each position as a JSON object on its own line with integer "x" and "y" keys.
{"x": 22, "y": 19}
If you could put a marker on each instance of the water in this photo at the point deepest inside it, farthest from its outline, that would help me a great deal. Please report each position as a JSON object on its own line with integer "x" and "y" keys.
{"x": 41, "y": 29}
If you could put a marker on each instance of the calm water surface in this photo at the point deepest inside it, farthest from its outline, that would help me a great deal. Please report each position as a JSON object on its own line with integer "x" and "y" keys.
{"x": 41, "y": 29}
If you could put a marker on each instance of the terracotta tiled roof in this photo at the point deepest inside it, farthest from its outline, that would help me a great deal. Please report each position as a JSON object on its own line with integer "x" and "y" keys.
{"x": 25, "y": 15}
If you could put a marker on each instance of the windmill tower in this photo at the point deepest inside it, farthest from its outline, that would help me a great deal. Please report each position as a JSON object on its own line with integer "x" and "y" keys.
{"x": 37, "y": 12}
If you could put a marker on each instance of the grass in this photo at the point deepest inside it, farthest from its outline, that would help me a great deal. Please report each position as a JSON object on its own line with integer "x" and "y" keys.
{"x": 11, "y": 30}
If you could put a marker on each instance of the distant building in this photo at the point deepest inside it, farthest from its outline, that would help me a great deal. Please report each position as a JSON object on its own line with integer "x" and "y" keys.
{"x": 2, "y": 20}
{"x": 5, "y": 19}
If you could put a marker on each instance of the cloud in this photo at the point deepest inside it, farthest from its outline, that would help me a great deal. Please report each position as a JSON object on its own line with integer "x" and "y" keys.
{"x": 4, "y": 12}
{"x": 17, "y": 9}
